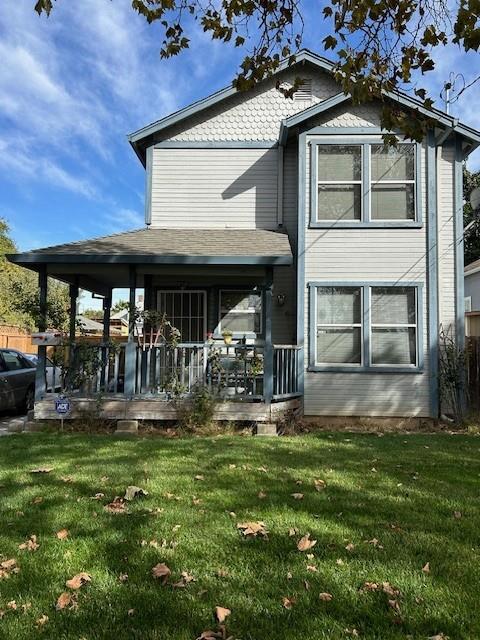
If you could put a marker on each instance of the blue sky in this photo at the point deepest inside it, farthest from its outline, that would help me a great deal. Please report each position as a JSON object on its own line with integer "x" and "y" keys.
{"x": 71, "y": 88}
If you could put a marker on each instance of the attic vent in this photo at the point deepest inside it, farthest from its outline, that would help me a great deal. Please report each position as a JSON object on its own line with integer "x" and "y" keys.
{"x": 304, "y": 92}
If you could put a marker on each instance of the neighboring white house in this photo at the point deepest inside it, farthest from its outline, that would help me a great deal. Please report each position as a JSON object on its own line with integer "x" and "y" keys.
{"x": 472, "y": 299}
{"x": 289, "y": 223}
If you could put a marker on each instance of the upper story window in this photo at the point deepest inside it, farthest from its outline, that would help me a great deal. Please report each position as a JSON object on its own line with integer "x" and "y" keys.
{"x": 365, "y": 183}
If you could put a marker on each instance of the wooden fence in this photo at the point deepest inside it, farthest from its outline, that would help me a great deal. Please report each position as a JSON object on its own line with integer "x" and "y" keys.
{"x": 473, "y": 371}
{"x": 12, "y": 337}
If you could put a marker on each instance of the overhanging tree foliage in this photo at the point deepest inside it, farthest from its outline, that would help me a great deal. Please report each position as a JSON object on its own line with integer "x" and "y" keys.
{"x": 19, "y": 295}
{"x": 379, "y": 45}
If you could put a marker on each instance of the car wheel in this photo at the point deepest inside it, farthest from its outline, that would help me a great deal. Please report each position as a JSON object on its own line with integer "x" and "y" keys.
{"x": 29, "y": 399}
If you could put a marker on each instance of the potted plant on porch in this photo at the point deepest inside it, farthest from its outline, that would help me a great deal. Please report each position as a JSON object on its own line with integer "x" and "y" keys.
{"x": 227, "y": 336}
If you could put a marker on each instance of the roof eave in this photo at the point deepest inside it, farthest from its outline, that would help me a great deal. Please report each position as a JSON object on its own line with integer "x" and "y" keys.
{"x": 31, "y": 259}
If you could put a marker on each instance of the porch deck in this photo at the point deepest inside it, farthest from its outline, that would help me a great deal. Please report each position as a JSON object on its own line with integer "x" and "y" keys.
{"x": 130, "y": 381}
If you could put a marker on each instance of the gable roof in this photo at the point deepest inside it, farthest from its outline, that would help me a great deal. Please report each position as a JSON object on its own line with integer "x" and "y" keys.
{"x": 140, "y": 139}
{"x": 169, "y": 246}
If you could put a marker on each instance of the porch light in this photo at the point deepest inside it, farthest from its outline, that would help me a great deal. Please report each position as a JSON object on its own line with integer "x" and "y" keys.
{"x": 281, "y": 299}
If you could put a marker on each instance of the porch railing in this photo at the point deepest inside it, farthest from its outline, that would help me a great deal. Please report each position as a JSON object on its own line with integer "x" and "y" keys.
{"x": 237, "y": 371}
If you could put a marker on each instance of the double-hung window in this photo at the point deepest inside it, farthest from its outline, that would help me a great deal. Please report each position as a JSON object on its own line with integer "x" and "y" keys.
{"x": 240, "y": 312}
{"x": 365, "y": 327}
{"x": 365, "y": 183}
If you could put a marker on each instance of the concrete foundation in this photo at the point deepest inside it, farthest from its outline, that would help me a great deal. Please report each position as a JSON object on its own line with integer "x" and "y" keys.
{"x": 128, "y": 427}
{"x": 266, "y": 429}
{"x": 16, "y": 426}
{"x": 32, "y": 426}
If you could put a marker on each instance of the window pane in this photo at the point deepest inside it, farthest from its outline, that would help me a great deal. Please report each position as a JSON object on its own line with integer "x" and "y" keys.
{"x": 393, "y": 305}
{"x": 241, "y": 322}
{"x": 339, "y": 305}
{"x": 339, "y": 346}
{"x": 339, "y": 202}
{"x": 393, "y": 163}
{"x": 393, "y": 202}
{"x": 394, "y": 346}
{"x": 240, "y": 300}
{"x": 339, "y": 162}
{"x": 13, "y": 361}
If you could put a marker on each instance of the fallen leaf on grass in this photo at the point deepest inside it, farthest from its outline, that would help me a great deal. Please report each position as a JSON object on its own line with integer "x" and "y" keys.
{"x": 42, "y": 620}
{"x": 221, "y": 613}
{"x": 222, "y": 573}
{"x": 253, "y": 529}
{"x": 426, "y": 568}
{"x": 199, "y": 477}
{"x": 211, "y": 635}
{"x": 297, "y": 496}
{"x": 41, "y": 470}
{"x": 123, "y": 577}
{"x": 439, "y": 636}
{"x": 312, "y": 568}
{"x": 132, "y": 492}
{"x": 12, "y": 605}
{"x": 62, "y": 534}
{"x": 30, "y": 545}
{"x": 7, "y": 567}
{"x": 261, "y": 495}
{"x": 457, "y": 515}
{"x": 325, "y": 597}
{"x": 320, "y": 485}
{"x": 78, "y": 580}
{"x": 352, "y": 632}
{"x": 184, "y": 580}
{"x": 66, "y": 600}
{"x": 37, "y": 500}
{"x": 339, "y": 561}
{"x": 97, "y": 496}
{"x": 293, "y": 532}
{"x": 350, "y": 546}
{"x": 288, "y": 602}
{"x": 116, "y": 506}
{"x": 304, "y": 544}
{"x": 161, "y": 571}
{"x": 393, "y": 604}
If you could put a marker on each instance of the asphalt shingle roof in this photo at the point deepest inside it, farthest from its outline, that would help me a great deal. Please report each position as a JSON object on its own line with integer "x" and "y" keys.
{"x": 152, "y": 244}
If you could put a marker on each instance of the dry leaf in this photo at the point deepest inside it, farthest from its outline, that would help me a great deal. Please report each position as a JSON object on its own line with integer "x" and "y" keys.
{"x": 211, "y": 635}
{"x": 325, "y": 597}
{"x": 199, "y": 477}
{"x": 117, "y": 506}
{"x": 457, "y": 515}
{"x": 42, "y": 620}
{"x": 439, "y": 636}
{"x": 222, "y": 573}
{"x": 261, "y": 494}
{"x": 253, "y": 529}
{"x": 350, "y": 547}
{"x": 289, "y": 575}
{"x": 30, "y": 545}
{"x": 292, "y": 532}
{"x": 339, "y": 561}
{"x": 97, "y": 496}
{"x": 161, "y": 571}
{"x": 184, "y": 580}
{"x": 426, "y": 568}
{"x": 262, "y": 469}
{"x": 312, "y": 568}
{"x": 65, "y": 600}
{"x": 12, "y": 605}
{"x": 306, "y": 584}
{"x": 41, "y": 470}
{"x": 390, "y": 590}
{"x": 37, "y": 500}
{"x": 7, "y": 567}
{"x": 62, "y": 534}
{"x": 132, "y": 492}
{"x": 319, "y": 484}
{"x": 78, "y": 580}
{"x": 352, "y": 632}
{"x": 305, "y": 543}
{"x": 288, "y": 602}
{"x": 297, "y": 496}
{"x": 123, "y": 577}
{"x": 221, "y": 613}
{"x": 393, "y": 604}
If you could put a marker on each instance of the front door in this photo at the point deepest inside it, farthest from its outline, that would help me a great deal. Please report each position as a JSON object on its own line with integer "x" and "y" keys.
{"x": 187, "y": 311}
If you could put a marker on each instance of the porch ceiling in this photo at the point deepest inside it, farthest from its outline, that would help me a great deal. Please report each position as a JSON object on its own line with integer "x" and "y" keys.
{"x": 100, "y": 264}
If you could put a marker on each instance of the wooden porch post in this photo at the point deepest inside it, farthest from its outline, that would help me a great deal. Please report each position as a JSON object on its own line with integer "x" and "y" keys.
{"x": 130, "y": 350}
{"x": 40, "y": 374}
{"x": 267, "y": 309}
{"x": 107, "y": 304}
{"x": 73, "y": 292}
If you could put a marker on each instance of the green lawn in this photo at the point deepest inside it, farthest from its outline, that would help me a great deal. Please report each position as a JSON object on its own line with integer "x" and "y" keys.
{"x": 400, "y": 492}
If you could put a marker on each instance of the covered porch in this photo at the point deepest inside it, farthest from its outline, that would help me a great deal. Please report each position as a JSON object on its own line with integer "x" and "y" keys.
{"x": 216, "y": 287}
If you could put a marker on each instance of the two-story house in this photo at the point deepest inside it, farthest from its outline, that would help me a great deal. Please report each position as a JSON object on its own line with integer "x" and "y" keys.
{"x": 332, "y": 259}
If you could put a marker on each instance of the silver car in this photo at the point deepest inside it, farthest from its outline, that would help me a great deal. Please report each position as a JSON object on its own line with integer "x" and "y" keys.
{"x": 17, "y": 381}
{"x": 53, "y": 373}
